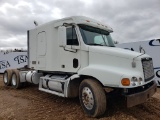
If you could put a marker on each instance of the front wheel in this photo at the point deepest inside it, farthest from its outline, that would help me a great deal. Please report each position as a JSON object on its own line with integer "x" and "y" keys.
{"x": 92, "y": 98}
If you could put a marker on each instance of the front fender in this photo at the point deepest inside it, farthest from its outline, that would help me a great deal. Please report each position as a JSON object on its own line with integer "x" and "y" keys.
{"x": 106, "y": 75}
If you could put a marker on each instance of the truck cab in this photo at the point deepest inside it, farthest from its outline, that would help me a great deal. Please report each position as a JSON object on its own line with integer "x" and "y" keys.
{"x": 76, "y": 56}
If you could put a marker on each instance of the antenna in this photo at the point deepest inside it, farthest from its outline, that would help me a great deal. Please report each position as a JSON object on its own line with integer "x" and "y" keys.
{"x": 35, "y": 22}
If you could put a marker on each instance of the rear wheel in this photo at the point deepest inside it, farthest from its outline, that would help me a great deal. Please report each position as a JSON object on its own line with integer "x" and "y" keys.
{"x": 15, "y": 81}
{"x": 7, "y": 77}
{"x": 92, "y": 97}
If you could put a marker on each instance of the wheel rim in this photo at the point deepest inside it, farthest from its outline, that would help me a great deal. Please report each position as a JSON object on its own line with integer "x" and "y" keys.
{"x": 87, "y": 98}
{"x": 14, "y": 79}
{"x": 5, "y": 78}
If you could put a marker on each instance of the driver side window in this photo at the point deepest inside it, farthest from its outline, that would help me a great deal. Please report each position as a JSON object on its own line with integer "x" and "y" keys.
{"x": 72, "y": 36}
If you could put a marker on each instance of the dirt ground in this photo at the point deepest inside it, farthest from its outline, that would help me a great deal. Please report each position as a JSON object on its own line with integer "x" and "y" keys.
{"x": 31, "y": 104}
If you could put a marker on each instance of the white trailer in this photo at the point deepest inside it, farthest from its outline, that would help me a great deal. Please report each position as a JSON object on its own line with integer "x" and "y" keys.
{"x": 12, "y": 60}
{"x": 76, "y": 56}
{"x": 150, "y": 47}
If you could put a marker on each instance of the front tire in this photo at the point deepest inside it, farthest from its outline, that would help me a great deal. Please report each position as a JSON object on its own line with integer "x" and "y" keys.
{"x": 15, "y": 81}
{"x": 7, "y": 77}
{"x": 92, "y": 97}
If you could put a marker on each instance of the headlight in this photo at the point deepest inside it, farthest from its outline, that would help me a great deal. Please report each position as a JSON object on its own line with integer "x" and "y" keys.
{"x": 140, "y": 81}
{"x": 134, "y": 80}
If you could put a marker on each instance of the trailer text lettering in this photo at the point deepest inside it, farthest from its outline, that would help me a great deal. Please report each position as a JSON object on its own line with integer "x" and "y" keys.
{"x": 21, "y": 59}
{"x": 4, "y": 64}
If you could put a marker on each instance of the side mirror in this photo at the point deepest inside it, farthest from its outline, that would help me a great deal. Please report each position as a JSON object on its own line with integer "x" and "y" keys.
{"x": 62, "y": 36}
{"x": 141, "y": 49}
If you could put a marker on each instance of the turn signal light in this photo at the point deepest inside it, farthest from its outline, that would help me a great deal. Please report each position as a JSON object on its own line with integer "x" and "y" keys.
{"x": 125, "y": 82}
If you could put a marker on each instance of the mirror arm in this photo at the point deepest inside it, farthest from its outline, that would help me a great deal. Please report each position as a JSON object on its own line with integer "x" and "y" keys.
{"x": 68, "y": 24}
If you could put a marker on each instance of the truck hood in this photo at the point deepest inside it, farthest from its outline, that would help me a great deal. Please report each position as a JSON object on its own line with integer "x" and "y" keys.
{"x": 113, "y": 51}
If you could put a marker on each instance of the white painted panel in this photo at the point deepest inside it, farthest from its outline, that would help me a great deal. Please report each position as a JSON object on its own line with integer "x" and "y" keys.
{"x": 152, "y": 48}
{"x": 41, "y": 44}
{"x": 12, "y": 60}
{"x": 41, "y": 62}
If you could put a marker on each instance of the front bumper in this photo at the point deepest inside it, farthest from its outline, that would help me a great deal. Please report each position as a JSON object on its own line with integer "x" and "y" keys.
{"x": 141, "y": 97}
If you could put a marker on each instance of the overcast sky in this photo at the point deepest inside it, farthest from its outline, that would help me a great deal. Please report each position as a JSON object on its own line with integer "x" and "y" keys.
{"x": 131, "y": 20}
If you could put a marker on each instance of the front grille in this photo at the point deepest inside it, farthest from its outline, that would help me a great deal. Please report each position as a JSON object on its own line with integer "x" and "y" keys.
{"x": 147, "y": 65}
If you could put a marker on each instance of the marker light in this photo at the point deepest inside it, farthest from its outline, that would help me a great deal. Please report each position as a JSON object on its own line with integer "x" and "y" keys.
{"x": 125, "y": 82}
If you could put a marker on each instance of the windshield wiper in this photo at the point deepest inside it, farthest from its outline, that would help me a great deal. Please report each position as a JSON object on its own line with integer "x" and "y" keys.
{"x": 95, "y": 44}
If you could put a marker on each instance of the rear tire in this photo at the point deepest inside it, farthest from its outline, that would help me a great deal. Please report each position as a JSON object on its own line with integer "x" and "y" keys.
{"x": 92, "y": 98}
{"x": 15, "y": 81}
{"x": 7, "y": 77}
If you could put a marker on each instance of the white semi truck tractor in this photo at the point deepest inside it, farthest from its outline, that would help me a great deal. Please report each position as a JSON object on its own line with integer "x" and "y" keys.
{"x": 76, "y": 56}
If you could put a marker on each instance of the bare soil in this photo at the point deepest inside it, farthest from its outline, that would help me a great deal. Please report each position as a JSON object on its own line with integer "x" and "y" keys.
{"x": 31, "y": 104}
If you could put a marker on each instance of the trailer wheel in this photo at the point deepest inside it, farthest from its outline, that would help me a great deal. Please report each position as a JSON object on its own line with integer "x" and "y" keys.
{"x": 15, "y": 81}
{"x": 7, "y": 77}
{"x": 92, "y": 98}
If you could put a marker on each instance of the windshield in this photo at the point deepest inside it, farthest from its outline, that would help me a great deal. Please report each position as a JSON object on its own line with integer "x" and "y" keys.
{"x": 95, "y": 36}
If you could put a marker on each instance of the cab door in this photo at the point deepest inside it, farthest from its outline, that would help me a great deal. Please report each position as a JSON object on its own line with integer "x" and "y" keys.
{"x": 70, "y": 54}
